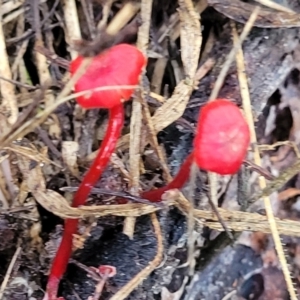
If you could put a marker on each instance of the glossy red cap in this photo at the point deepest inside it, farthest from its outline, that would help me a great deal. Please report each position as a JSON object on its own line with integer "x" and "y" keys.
{"x": 120, "y": 65}
{"x": 222, "y": 138}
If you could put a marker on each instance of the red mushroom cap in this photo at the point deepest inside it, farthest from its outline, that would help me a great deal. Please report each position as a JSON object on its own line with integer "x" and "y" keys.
{"x": 222, "y": 137}
{"x": 107, "y": 270}
{"x": 120, "y": 65}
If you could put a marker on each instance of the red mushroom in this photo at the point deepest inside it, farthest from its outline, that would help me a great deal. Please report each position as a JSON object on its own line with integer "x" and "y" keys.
{"x": 106, "y": 270}
{"x": 120, "y": 65}
{"x": 220, "y": 144}
{"x": 177, "y": 182}
{"x": 222, "y": 138}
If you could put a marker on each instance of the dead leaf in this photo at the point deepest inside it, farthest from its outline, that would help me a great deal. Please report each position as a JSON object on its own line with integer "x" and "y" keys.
{"x": 58, "y": 205}
{"x": 189, "y": 31}
{"x": 31, "y": 153}
{"x": 267, "y": 18}
{"x": 69, "y": 155}
{"x": 54, "y": 127}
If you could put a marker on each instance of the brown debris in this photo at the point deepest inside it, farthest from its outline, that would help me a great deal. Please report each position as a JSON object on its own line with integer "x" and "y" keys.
{"x": 47, "y": 142}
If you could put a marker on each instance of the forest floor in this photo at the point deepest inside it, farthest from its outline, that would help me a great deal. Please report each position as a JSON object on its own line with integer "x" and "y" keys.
{"x": 211, "y": 240}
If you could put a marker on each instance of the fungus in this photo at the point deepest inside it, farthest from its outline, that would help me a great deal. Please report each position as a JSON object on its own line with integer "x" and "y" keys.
{"x": 220, "y": 144}
{"x": 120, "y": 66}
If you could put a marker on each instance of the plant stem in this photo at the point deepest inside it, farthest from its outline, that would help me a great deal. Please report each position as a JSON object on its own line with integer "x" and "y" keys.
{"x": 178, "y": 181}
{"x": 60, "y": 262}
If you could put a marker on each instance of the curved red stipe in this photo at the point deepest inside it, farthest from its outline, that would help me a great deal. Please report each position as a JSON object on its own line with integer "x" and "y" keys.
{"x": 178, "y": 181}
{"x": 120, "y": 65}
{"x": 220, "y": 144}
{"x": 63, "y": 254}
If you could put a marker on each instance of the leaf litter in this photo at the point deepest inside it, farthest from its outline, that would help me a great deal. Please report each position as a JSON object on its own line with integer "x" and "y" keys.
{"x": 47, "y": 143}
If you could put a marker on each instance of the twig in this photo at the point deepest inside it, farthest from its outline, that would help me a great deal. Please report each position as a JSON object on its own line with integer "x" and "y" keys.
{"x": 31, "y": 31}
{"x": 9, "y": 101}
{"x": 189, "y": 21}
{"x": 116, "y": 194}
{"x": 275, "y": 6}
{"x": 191, "y": 220}
{"x": 229, "y": 295}
{"x": 62, "y": 98}
{"x": 214, "y": 207}
{"x": 262, "y": 181}
{"x": 99, "y": 278}
{"x": 41, "y": 60}
{"x": 89, "y": 17}
{"x": 258, "y": 169}
{"x": 218, "y": 84}
{"x": 278, "y": 182}
{"x": 124, "y": 15}
{"x": 91, "y": 273}
{"x": 16, "y": 210}
{"x": 154, "y": 142}
{"x": 48, "y": 142}
{"x": 232, "y": 53}
{"x": 72, "y": 24}
{"x": 53, "y": 57}
{"x": 20, "y": 84}
{"x": 30, "y": 108}
{"x": 136, "y": 115}
{"x": 235, "y": 220}
{"x": 9, "y": 271}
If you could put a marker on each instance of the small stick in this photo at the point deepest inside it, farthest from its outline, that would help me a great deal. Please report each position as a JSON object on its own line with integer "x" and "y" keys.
{"x": 276, "y": 6}
{"x": 116, "y": 194}
{"x": 258, "y": 169}
{"x": 41, "y": 60}
{"x": 262, "y": 181}
{"x": 9, "y": 271}
{"x": 154, "y": 142}
{"x": 218, "y": 84}
{"x": 136, "y": 116}
{"x": 9, "y": 101}
{"x": 191, "y": 220}
{"x": 232, "y": 53}
{"x": 72, "y": 24}
{"x": 42, "y": 116}
{"x": 124, "y": 15}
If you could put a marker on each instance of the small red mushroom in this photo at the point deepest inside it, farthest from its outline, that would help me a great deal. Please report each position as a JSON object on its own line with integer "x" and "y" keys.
{"x": 222, "y": 138}
{"x": 120, "y": 65}
{"x": 177, "y": 182}
{"x": 220, "y": 144}
{"x": 106, "y": 271}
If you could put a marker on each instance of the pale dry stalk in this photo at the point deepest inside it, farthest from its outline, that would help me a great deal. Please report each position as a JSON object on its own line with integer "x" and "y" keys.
{"x": 136, "y": 117}
{"x": 73, "y": 32}
{"x": 124, "y": 15}
{"x": 262, "y": 181}
{"x": 9, "y": 100}
{"x": 9, "y": 271}
{"x": 275, "y": 6}
{"x": 213, "y": 184}
{"x": 190, "y": 30}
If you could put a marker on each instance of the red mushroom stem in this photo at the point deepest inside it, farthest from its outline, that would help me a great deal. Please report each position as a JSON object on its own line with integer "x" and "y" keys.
{"x": 220, "y": 144}
{"x": 109, "y": 68}
{"x": 63, "y": 254}
{"x": 178, "y": 181}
